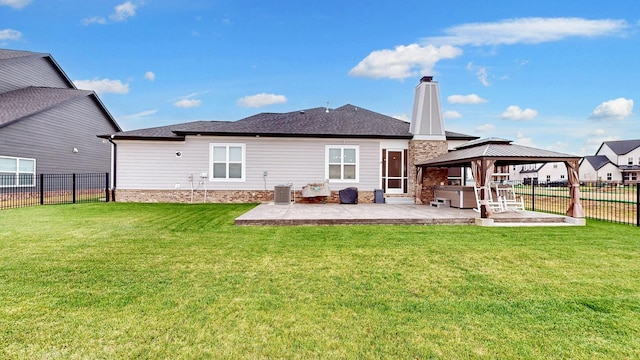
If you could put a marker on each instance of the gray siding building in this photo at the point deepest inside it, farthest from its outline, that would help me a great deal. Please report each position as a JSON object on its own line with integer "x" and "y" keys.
{"x": 46, "y": 124}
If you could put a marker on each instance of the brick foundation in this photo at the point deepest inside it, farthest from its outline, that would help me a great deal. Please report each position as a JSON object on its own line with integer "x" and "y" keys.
{"x": 226, "y": 196}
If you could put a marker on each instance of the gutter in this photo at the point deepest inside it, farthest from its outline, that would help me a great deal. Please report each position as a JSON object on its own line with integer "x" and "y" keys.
{"x": 114, "y": 157}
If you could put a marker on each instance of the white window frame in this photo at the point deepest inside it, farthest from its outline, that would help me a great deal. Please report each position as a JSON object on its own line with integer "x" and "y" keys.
{"x": 227, "y": 162}
{"x": 17, "y": 172}
{"x": 342, "y": 163}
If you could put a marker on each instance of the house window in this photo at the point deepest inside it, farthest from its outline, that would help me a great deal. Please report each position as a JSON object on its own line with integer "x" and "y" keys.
{"x": 555, "y": 166}
{"x": 227, "y": 162}
{"x": 630, "y": 161}
{"x": 548, "y": 178}
{"x": 609, "y": 177}
{"x": 17, "y": 172}
{"x": 341, "y": 163}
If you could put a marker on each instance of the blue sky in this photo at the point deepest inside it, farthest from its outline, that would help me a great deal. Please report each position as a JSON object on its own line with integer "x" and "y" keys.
{"x": 559, "y": 75}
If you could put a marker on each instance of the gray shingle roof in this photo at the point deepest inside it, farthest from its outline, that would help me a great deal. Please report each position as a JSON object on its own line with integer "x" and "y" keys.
{"x": 597, "y": 161}
{"x": 499, "y": 149}
{"x": 17, "y": 104}
{"x": 622, "y": 147}
{"x": 345, "y": 121}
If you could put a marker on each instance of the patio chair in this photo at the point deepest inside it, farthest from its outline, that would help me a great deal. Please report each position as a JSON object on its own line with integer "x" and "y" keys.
{"x": 492, "y": 205}
{"x": 510, "y": 200}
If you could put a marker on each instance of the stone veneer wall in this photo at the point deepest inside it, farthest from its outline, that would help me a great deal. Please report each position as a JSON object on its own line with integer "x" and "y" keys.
{"x": 431, "y": 178}
{"x": 419, "y": 151}
{"x": 226, "y": 196}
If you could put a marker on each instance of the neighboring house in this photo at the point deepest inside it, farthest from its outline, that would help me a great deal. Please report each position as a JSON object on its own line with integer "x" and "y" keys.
{"x": 244, "y": 160}
{"x": 545, "y": 173}
{"x": 46, "y": 124}
{"x": 614, "y": 162}
{"x": 598, "y": 168}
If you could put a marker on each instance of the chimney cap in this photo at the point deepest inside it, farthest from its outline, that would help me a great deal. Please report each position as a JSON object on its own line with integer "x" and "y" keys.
{"x": 426, "y": 79}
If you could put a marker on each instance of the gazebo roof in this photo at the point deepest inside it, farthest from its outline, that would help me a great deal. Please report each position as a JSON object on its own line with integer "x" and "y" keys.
{"x": 502, "y": 151}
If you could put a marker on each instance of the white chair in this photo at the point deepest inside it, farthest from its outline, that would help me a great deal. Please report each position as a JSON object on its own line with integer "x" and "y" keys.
{"x": 492, "y": 205}
{"x": 510, "y": 200}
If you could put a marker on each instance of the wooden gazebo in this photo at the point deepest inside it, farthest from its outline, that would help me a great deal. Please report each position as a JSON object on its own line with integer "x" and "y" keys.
{"x": 484, "y": 154}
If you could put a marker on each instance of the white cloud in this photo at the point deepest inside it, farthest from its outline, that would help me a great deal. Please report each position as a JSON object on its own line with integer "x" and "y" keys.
{"x": 16, "y": 4}
{"x": 403, "y": 61}
{"x": 10, "y": 34}
{"x": 94, "y": 20}
{"x": 485, "y": 127}
{"x": 103, "y": 86}
{"x": 138, "y": 115}
{"x": 483, "y": 75}
{"x": 559, "y": 146}
{"x": 187, "y": 103}
{"x": 596, "y": 132}
{"x": 123, "y": 11}
{"x": 120, "y": 13}
{"x": 466, "y": 99}
{"x": 451, "y": 114}
{"x": 613, "y": 109}
{"x": 523, "y": 140}
{"x": 150, "y": 75}
{"x": 481, "y": 72}
{"x": 403, "y": 117}
{"x": 514, "y": 112}
{"x": 528, "y": 31}
{"x": 260, "y": 100}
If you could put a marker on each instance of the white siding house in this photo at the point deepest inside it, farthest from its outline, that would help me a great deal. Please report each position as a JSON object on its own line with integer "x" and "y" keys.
{"x": 553, "y": 172}
{"x": 244, "y": 160}
{"x": 614, "y": 162}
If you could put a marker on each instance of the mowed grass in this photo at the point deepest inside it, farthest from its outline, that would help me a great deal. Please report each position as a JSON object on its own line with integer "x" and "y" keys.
{"x": 121, "y": 281}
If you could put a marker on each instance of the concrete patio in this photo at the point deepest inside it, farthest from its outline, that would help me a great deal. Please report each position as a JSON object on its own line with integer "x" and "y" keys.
{"x": 349, "y": 214}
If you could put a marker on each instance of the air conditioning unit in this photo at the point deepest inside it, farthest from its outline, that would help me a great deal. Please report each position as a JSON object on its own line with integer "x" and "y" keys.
{"x": 282, "y": 195}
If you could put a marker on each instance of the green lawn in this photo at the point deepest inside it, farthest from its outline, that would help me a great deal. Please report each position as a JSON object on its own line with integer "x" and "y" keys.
{"x": 122, "y": 281}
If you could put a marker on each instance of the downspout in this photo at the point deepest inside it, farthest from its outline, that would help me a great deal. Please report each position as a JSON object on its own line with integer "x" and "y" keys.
{"x": 113, "y": 165}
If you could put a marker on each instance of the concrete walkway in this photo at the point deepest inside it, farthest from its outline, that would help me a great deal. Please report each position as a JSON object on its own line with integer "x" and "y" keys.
{"x": 347, "y": 214}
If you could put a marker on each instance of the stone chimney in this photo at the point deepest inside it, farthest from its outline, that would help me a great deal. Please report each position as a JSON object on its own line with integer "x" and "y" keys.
{"x": 426, "y": 121}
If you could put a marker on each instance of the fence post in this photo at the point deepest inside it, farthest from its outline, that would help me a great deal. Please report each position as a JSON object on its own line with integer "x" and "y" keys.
{"x": 637, "y": 204}
{"x": 73, "y": 185}
{"x": 41, "y": 189}
{"x": 533, "y": 196}
{"x": 106, "y": 187}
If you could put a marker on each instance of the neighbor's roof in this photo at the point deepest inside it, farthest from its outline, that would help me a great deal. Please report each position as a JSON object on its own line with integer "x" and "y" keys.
{"x": 500, "y": 150}
{"x": 12, "y": 54}
{"x": 18, "y": 104}
{"x": 346, "y": 121}
{"x": 621, "y": 147}
{"x": 8, "y": 56}
{"x": 597, "y": 161}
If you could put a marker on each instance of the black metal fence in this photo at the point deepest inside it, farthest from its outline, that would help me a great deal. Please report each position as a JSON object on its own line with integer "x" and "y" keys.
{"x": 603, "y": 201}
{"x": 48, "y": 189}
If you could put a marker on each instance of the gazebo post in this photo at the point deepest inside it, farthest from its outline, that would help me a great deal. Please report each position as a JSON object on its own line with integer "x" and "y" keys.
{"x": 483, "y": 196}
{"x": 575, "y": 206}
